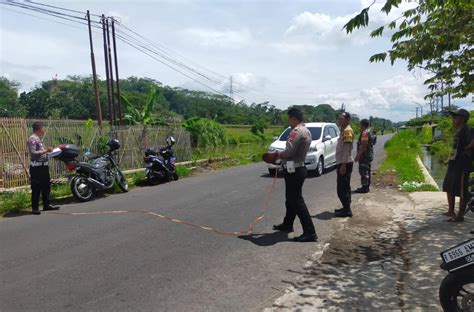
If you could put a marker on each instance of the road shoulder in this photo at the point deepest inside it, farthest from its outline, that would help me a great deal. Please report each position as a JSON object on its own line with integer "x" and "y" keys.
{"x": 385, "y": 258}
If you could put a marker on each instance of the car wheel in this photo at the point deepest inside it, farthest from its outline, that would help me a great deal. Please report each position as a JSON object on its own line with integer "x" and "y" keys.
{"x": 320, "y": 167}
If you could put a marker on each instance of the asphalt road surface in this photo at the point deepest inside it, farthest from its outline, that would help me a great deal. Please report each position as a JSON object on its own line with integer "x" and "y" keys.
{"x": 133, "y": 262}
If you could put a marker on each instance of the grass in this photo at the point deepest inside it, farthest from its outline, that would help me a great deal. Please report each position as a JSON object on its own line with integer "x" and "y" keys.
{"x": 60, "y": 190}
{"x": 183, "y": 171}
{"x": 402, "y": 150}
{"x": 242, "y": 154}
{"x": 14, "y": 202}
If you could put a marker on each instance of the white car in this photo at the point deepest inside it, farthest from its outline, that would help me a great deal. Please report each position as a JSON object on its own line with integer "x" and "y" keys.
{"x": 322, "y": 152}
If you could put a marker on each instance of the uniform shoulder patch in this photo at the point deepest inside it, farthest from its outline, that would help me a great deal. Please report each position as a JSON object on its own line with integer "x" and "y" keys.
{"x": 293, "y": 135}
{"x": 348, "y": 135}
{"x": 365, "y": 136}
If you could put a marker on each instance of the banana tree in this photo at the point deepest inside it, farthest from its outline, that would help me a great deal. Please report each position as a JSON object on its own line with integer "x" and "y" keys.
{"x": 145, "y": 116}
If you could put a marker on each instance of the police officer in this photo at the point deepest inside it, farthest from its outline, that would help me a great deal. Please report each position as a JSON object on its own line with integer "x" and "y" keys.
{"x": 39, "y": 170}
{"x": 344, "y": 165}
{"x": 365, "y": 155}
{"x": 293, "y": 158}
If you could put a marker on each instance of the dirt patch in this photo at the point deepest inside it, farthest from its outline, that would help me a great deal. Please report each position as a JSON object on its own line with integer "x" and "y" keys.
{"x": 387, "y": 179}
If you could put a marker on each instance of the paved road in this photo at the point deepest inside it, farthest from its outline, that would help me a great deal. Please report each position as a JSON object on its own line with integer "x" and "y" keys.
{"x": 140, "y": 263}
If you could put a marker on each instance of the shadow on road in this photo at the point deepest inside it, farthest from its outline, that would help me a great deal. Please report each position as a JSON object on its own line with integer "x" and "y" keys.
{"x": 326, "y": 215}
{"x": 266, "y": 239}
{"x": 17, "y": 214}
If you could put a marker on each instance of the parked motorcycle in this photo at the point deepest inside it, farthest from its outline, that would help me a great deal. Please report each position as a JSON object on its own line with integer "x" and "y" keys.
{"x": 456, "y": 292}
{"x": 98, "y": 175}
{"x": 161, "y": 166}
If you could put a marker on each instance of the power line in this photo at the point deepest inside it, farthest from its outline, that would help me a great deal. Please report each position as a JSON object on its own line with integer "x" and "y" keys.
{"x": 43, "y": 18}
{"x": 151, "y": 50}
{"x": 56, "y": 7}
{"x": 170, "y": 66}
{"x": 162, "y": 51}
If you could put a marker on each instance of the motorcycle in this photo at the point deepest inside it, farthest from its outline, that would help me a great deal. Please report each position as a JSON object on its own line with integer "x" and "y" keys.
{"x": 456, "y": 292}
{"x": 161, "y": 166}
{"x": 98, "y": 175}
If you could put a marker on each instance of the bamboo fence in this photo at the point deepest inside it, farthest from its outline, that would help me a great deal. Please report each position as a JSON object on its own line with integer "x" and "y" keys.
{"x": 14, "y": 132}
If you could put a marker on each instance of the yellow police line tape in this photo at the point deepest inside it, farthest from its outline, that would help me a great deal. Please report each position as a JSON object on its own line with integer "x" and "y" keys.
{"x": 247, "y": 231}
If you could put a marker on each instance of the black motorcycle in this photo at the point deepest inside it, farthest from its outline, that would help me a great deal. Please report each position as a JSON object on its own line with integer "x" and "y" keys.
{"x": 161, "y": 166}
{"x": 99, "y": 174}
{"x": 456, "y": 292}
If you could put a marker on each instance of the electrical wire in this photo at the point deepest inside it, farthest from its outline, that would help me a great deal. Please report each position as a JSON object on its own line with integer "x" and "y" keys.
{"x": 159, "y": 50}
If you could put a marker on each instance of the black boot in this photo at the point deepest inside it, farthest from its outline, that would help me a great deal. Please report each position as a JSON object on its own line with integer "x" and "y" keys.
{"x": 283, "y": 228}
{"x": 50, "y": 207}
{"x": 310, "y": 237}
{"x": 36, "y": 212}
{"x": 362, "y": 190}
{"x": 343, "y": 213}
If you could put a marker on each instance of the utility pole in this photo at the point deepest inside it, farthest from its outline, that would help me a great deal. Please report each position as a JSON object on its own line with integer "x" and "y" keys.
{"x": 231, "y": 91}
{"x": 106, "y": 58}
{"x": 119, "y": 103}
{"x": 111, "y": 74}
{"x": 98, "y": 110}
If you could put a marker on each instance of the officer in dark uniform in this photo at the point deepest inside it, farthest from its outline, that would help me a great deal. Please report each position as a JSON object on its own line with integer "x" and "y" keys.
{"x": 344, "y": 165}
{"x": 39, "y": 170}
{"x": 365, "y": 156}
{"x": 293, "y": 158}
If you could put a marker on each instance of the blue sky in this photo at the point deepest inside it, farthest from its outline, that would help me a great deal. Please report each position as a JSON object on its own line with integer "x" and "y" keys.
{"x": 287, "y": 52}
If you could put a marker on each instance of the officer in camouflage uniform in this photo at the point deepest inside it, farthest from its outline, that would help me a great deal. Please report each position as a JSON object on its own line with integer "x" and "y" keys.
{"x": 39, "y": 170}
{"x": 365, "y": 155}
{"x": 344, "y": 165}
{"x": 295, "y": 174}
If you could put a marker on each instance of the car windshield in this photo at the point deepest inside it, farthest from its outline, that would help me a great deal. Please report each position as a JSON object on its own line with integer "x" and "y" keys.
{"x": 315, "y": 133}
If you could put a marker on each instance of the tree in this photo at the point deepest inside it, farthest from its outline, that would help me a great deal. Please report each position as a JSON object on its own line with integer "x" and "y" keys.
{"x": 436, "y": 36}
{"x": 9, "y": 106}
{"x": 144, "y": 116}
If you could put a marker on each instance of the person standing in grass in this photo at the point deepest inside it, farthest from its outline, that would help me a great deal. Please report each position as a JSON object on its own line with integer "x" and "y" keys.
{"x": 456, "y": 181}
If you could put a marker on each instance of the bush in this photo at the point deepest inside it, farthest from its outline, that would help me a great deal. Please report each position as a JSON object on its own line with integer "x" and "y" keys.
{"x": 426, "y": 134}
{"x": 205, "y": 132}
{"x": 441, "y": 150}
{"x": 14, "y": 202}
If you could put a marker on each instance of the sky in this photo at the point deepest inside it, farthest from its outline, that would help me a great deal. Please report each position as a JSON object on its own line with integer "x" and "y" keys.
{"x": 284, "y": 52}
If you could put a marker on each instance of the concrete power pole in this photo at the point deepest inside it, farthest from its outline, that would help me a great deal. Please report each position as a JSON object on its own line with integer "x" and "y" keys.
{"x": 98, "y": 110}
{"x": 107, "y": 75}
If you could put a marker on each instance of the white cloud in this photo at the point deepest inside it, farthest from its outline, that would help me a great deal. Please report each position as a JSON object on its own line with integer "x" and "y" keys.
{"x": 392, "y": 98}
{"x": 318, "y": 31}
{"x": 219, "y": 38}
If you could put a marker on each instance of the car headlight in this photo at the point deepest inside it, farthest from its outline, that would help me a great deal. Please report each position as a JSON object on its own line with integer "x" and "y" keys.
{"x": 271, "y": 149}
{"x": 313, "y": 149}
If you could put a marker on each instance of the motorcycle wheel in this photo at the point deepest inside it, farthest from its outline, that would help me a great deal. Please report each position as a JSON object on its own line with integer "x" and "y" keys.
{"x": 81, "y": 189}
{"x": 456, "y": 292}
{"x": 175, "y": 176}
{"x": 151, "y": 180}
{"x": 121, "y": 181}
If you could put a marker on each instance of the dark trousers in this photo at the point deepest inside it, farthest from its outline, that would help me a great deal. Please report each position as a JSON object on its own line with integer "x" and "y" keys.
{"x": 40, "y": 185}
{"x": 295, "y": 205}
{"x": 344, "y": 186}
{"x": 365, "y": 173}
